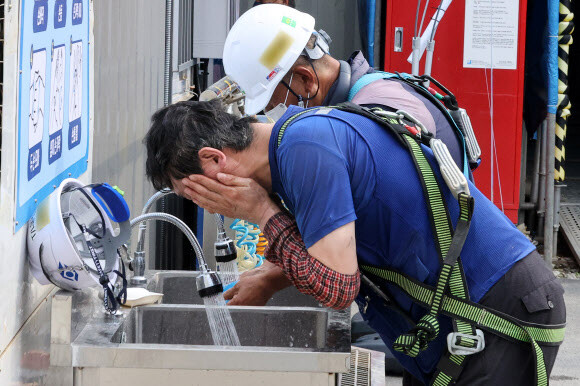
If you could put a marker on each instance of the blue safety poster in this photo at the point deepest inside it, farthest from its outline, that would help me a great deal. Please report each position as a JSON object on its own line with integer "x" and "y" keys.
{"x": 53, "y": 106}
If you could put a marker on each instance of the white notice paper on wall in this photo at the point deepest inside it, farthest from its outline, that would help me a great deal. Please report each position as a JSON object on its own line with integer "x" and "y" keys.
{"x": 487, "y": 18}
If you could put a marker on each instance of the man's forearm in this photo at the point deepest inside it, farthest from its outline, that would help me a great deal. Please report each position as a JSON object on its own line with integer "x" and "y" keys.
{"x": 287, "y": 250}
{"x": 276, "y": 276}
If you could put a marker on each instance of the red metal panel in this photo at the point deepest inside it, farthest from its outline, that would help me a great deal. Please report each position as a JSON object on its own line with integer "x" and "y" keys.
{"x": 472, "y": 88}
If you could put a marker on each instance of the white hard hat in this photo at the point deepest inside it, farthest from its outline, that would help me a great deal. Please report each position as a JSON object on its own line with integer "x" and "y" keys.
{"x": 263, "y": 45}
{"x": 71, "y": 239}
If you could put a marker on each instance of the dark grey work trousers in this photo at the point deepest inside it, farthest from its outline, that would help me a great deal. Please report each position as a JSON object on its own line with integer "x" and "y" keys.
{"x": 530, "y": 292}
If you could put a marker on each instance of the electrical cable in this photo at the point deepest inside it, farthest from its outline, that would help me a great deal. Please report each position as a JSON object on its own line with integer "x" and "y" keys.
{"x": 490, "y": 99}
{"x": 417, "y": 17}
{"x": 423, "y": 17}
{"x": 492, "y": 139}
{"x": 436, "y": 21}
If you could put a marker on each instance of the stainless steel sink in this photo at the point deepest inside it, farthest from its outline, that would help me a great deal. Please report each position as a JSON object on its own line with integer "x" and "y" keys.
{"x": 178, "y": 337}
{"x": 294, "y": 344}
{"x": 262, "y": 327}
{"x": 178, "y": 287}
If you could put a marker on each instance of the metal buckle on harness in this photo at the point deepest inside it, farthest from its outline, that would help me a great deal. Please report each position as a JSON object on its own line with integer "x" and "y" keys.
{"x": 411, "y": 118}
{"x": 453, "y": 177}
{"x": 456, "y": 349}
{"x": 387, "y": 114}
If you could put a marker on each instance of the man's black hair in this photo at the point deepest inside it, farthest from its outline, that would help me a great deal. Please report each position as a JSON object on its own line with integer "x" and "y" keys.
{"x": 179, "y": 131}
{"x": 291, "y": 3}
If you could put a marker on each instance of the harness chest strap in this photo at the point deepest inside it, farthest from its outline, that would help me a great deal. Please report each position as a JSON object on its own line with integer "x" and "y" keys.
{"x": 482, "y": 317}
{"x": 465, "y": 339}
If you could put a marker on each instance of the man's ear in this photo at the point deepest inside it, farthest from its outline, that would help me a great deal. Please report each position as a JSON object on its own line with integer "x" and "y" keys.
{"x": 307, "y": 77}
{"x": 212, "y": 161}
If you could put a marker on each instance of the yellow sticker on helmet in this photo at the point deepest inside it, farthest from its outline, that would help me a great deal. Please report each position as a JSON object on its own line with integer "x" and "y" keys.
{"x": 276, "y": 50}
{"x": 43, "y": 215}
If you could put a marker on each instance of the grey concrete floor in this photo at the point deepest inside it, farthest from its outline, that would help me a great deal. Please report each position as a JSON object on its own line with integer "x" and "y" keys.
{"x": 566, "y": 370}
{"x": 567, "y": 367}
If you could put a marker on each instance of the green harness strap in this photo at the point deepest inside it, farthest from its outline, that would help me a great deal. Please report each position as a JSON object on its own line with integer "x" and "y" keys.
{"x": 466, "y": 315}
{"x": 485, "y": 318}
{"x": 465, "y": 338}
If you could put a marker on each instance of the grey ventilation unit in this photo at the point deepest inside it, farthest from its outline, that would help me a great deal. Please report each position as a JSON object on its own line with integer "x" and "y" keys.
{"x": 367, "y": 368}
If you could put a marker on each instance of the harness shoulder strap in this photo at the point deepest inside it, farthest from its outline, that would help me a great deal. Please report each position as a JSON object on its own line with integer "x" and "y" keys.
{"x": 368, "y": 79}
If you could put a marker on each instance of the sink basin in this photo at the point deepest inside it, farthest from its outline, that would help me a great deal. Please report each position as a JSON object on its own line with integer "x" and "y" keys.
{"x": 299, "y": 343}
{"x": 178, "y": 287}
{"x": 166, "y": 336}
{"x": 262, "y": 327}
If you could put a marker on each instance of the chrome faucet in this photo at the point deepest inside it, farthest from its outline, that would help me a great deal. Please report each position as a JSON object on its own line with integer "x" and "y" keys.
{"x": 138, "y": 262}
{"x": 208, "y": 282}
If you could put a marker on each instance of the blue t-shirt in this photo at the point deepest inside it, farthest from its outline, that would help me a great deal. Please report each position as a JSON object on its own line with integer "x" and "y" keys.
{"x": 334, "y": 167}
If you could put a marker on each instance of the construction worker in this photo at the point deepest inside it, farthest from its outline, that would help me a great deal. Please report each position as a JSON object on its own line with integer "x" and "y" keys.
{"x": 278, "y": 59}
{"x": 274, "y": 53}
{"x": 370, "y": 203}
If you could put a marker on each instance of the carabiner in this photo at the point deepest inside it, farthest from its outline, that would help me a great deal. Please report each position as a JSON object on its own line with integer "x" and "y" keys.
{"x": 414, "y": 120}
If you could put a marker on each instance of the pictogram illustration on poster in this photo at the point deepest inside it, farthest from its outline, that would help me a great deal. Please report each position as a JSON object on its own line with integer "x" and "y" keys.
{"x": 53, "y": 105}
{"x": 56, "y": 106}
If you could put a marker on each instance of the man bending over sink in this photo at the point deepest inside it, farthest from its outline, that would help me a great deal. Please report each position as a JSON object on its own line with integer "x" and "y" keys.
{"x": 370, "y": 219}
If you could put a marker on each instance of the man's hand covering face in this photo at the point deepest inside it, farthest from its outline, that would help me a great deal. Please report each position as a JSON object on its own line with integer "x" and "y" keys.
{"x": 231, "y": 196}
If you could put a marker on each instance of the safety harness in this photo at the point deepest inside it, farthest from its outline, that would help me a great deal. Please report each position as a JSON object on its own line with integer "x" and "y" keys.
{"x": 450, "y": 294}
{"x": 447, "y": 104}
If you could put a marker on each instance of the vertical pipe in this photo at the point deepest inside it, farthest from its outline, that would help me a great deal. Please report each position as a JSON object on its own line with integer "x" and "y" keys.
{"x": 535, "y": 178}
{"x": 542, "y": 182}
{"x": 371, "y": 8}
{"x": 416, "y": 55}
{"x": 549, "y": 219}
{"x": 166, "y": 102}
{"x": 552, "y": 66}
{"x": 429, "y": 59}
{"x": 557, "y": 194}
{"x": 168, "y": 52}
{"x": 523, "y": 174}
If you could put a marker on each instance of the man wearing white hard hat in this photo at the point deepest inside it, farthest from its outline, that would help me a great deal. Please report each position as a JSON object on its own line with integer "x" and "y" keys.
{"x": 278, "y": 59}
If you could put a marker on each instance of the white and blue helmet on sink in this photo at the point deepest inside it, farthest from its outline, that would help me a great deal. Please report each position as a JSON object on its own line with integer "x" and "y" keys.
{"x": 75, "y": 234}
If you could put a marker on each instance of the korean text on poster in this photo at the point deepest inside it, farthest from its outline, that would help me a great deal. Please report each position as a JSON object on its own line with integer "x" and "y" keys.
{"x": 53, "y": 106}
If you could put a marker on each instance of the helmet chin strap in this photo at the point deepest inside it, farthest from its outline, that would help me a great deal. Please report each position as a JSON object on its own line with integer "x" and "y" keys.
{"x": 300, "y": 98}
{"x": 288, "y": 87}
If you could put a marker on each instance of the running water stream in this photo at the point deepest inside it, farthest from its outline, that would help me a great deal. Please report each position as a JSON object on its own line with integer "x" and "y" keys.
{"x": 222, "y": 327}
{"x": 228, "y": 272}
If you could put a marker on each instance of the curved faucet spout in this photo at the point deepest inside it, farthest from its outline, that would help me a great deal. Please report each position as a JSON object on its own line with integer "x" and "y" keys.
{"x": 143, "y": 227}
{"x": 139, "y": 262}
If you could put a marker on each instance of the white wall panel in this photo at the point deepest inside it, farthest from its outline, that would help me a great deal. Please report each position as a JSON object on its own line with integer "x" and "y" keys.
{"x": 129, "y": 52}
{"x": 23, "y": 312}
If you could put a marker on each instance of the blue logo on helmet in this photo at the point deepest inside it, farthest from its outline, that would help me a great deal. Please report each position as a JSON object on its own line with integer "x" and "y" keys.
{"x": 68, "y": 273}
